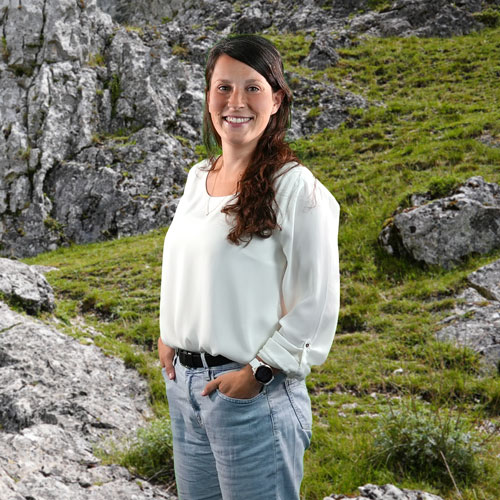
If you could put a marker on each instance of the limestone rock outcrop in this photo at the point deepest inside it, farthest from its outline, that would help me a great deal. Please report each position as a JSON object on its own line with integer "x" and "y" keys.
{"x": 58, "y": 399}
{"x": 74, "y": 87}
{"x": 444, "y": 231}
{"x": 475, "y": 321}
{"x": 25, "y": 286}
{"x": 386, "y": 492}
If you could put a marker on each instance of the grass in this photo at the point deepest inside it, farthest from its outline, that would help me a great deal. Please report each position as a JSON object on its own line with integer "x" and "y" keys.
{"x": 438, "y": 99}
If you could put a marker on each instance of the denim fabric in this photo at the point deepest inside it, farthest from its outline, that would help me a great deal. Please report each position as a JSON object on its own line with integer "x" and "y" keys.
{"x": 237, "y": 449}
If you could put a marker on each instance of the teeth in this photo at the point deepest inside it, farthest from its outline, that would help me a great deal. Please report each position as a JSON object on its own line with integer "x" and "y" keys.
{"x": 233, "y": 119}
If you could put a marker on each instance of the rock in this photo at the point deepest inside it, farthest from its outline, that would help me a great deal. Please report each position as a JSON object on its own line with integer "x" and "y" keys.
{"x": 444, "y": 231}
{"x": 423, "y": 18}
{"x": 386, "y": 492}
{"x": 25, "y": 286}
{"x": 252, "y": 20}
{"x": 141, "y": 12}
{"x": 87, "y": 83}
{"x": 486, "y": 280}
{"x": 475, "y": 321}
{"x": 330, "y": 110}
{"x": 107, "y": 193}
{"x": 58, "y": 399}
{"x": 489, "y": 140}
{"x": 321, "y": 53}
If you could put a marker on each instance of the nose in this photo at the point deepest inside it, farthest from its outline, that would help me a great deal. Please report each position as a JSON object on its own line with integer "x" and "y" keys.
{"x": 236, "y": 99}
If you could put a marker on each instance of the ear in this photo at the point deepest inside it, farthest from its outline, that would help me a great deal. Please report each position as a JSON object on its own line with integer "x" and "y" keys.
{"x": 277, "y": 98}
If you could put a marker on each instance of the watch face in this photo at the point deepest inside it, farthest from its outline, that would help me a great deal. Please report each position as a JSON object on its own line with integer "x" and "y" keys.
{"x": 264, "y": 374}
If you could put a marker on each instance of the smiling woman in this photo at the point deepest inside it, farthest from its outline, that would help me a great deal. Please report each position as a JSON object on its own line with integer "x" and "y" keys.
{"x": 250, "y": 289}
{"x": 240, "y": 102}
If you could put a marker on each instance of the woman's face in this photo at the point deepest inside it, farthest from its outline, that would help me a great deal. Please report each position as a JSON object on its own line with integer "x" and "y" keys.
{"x": 240, "y": 102}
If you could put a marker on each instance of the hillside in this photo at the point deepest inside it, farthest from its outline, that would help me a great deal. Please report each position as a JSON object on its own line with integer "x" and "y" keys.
{"x": 432, "y": 121}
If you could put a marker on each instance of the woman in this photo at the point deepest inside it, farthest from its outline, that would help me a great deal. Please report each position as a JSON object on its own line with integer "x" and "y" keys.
{"x": 250, "y": 289}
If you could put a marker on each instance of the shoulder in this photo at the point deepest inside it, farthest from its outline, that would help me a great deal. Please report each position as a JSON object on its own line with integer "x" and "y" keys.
{"x": 199, "y": 169}
{"x": 295, "y": 181}
{"x": 291, "y": 176}
{"x": 196, "y": 173}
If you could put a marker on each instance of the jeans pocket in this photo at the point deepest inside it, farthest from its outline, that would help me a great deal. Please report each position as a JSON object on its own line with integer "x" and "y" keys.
{"x": 300, "y": 401}
{"x": 237, "y": 401}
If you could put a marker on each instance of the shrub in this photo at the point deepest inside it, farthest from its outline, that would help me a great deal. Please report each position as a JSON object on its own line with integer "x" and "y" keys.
{"x": 489, "y": 17}
{"x": 428, "y": 445}
{"x": 440, "y": 187}
{"x": 149, "y": 455}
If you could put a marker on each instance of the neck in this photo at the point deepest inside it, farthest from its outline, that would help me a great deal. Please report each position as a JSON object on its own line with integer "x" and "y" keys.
{"x": 234, "y": 160}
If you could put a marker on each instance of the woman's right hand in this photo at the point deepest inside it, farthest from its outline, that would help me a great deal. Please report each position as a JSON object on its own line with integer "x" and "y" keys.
{"x": 166, "y": 355}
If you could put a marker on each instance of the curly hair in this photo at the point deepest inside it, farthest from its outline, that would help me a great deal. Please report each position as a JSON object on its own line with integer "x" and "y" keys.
{"x": 253, "y": 209}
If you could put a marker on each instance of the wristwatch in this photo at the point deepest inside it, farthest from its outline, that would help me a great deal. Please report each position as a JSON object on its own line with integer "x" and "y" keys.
{"x": 263, "y": 373}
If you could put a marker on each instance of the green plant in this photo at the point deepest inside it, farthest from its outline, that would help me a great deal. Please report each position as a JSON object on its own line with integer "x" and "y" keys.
{"x": 426, "y": 444}
{"x": 379, "y": 5}
{"x": 25, "y": 154}
{"x": 96, "y": 59}
{"x": 5, "y": 49}
{"x": 179, "y": 50}
{"x": 53, "y": 225}
{"x": 489, "y": 17}
{"x": 115, "y": 90}
{"x": 134, "y": 29}
{"x": 148, "y": 455}
{"x": 314, "y": 112}
{"x": 440, "y": 187}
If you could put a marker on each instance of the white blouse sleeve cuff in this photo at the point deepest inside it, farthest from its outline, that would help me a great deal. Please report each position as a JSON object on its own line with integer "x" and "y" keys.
{"x": 280, "y": 353}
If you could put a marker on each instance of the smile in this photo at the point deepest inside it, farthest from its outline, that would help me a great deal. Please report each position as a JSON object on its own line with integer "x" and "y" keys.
{"x": 235, "y": 119}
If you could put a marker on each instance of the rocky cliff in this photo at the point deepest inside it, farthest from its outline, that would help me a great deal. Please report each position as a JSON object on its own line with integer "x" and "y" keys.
{"x": 100, "y": 100}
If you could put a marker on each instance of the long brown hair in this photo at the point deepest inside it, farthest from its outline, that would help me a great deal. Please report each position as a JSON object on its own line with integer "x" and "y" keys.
{"x": 253, "y": 208}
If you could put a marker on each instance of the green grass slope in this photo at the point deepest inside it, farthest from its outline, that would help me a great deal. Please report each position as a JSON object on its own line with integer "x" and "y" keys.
{"x": 436, "y": 105}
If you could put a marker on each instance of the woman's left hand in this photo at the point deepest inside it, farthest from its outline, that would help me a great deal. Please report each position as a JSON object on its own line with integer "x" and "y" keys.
{"x": 240, "y": 384}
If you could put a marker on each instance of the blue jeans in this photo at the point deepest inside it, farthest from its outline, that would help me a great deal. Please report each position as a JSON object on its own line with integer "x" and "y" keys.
{"x": 237, "y": 449}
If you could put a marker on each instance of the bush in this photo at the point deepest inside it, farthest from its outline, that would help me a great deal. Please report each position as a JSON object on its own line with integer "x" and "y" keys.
{"x": 424, "y": 444}
{"x": 442, "y": 186}
{"x": 489, "y": 17}
{"x": 149, "y": 455}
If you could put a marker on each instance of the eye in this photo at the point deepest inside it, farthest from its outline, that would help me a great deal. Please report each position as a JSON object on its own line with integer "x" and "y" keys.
{"x": 223, "y": 88}
{"x": 253, "y": 88}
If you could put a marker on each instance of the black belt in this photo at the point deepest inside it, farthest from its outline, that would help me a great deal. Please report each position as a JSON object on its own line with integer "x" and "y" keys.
{"x": 193, "y": 359}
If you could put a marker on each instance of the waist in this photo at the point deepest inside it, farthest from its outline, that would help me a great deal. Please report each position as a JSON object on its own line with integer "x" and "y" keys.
{"x": 192, "y": 359}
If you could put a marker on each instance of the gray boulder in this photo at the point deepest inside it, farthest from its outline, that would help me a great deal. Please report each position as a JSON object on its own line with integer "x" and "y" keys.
{"x": 386, "y": 492}
{"x": 486, "y": 280}
{"x": 475, "y": 321}
{"x": 58, "y": 399}
{"x": 444, "y": 231}
{"x": 321, "y": 53}
{"x": 25, "y": 286}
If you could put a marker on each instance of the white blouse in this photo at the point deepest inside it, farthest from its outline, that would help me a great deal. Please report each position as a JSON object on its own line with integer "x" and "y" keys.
{"x": 276, "y": 298}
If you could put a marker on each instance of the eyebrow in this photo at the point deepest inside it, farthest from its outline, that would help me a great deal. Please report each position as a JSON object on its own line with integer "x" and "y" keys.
{"x": 223, "y": 80}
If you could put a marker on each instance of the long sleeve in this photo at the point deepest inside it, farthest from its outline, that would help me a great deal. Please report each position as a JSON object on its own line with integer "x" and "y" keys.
{"x": 310, "y": 287}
